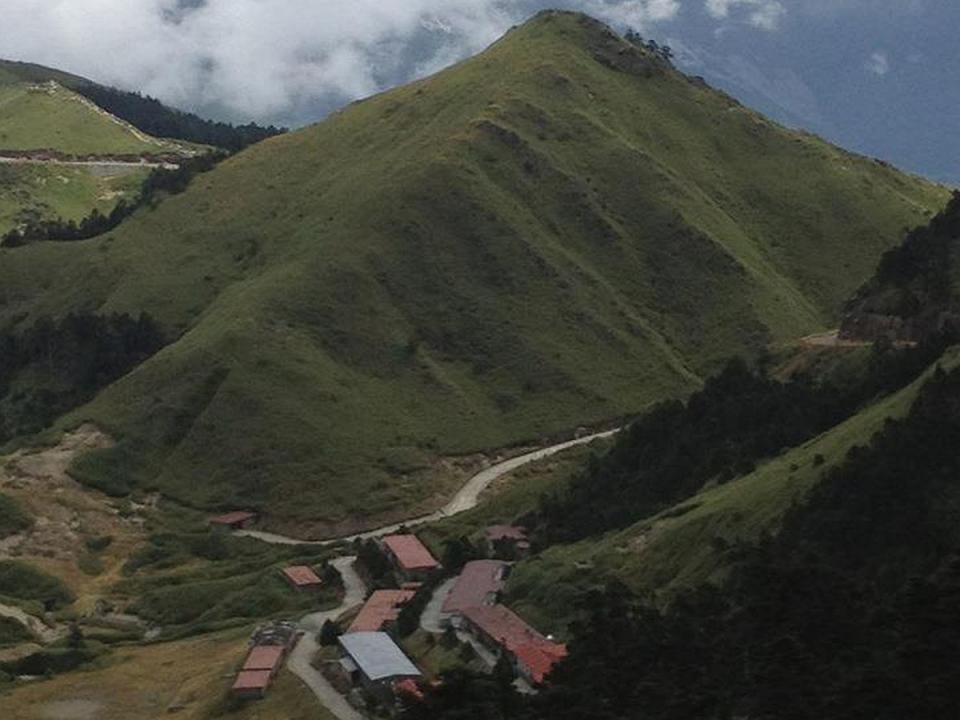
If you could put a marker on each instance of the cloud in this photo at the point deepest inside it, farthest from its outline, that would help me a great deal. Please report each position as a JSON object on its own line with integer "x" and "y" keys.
{"x": 272, "y": 59}
{"x": 878, "y": 64}
{"x": 762, "y": 14}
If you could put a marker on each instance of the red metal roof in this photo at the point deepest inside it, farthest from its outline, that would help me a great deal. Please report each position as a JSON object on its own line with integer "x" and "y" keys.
{"x": 252, "y": 680}
{"x": 505, "y": 532}
{"x": 265, "y": 657}
{"x": 505, "y": 627}
{"x": 410, "y": 552}
{"x": 539, "y": 659}
{"x": 232, "y": 518}
{"x": 477, "y": 585}
{"x": 302, "y": 576}
{"x": 382, "y": 607}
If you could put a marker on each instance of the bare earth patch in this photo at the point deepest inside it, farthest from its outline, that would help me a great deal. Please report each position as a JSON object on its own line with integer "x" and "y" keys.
{"x": 66, "y": 515}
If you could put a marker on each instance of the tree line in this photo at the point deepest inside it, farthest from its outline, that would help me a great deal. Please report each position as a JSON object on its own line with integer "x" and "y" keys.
{"x": 153, "y": 117}
{"x": 69, "y": 361}
{"x": 740, "y": 417}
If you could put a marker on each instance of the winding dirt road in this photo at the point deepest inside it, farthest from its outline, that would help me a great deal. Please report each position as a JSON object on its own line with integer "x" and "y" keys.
{"x": 467, "y": 498}
{"x": 299, "y": 662}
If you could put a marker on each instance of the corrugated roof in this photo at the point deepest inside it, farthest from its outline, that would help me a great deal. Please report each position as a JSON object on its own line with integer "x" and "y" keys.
{"x": 264, "y": 657}
{"x": 252, "y": 680}
{"x": 539, "y": 659}
{"x": 514, "y": 634}
{"x": 410, "y": 552}
{"x": 377, "y": 655}
{"x": 302, "y": 576}
{"x": 383, "y": 606}
{"x": 477, "y": 585}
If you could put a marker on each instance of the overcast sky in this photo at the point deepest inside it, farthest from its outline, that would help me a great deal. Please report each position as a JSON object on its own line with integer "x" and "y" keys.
{"x": 880, "y": 76}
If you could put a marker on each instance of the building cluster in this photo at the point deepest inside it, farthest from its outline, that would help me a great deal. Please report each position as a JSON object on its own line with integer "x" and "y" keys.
{"x": 269, "y": 647}
{"x": 473, "y": 606}
{"x": 371, "y": 659}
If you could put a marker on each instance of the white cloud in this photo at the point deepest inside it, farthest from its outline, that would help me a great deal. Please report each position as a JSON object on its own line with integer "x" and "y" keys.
{"x": 878, "y": 64}
{"x": 266, "y": 58}
{"x": 762, "y": 14}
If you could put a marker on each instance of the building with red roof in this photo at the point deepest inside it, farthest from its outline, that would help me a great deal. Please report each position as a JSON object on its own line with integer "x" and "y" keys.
{"x": 479, "y": 584}
{"x": 236, "y": 520}
{"x": 500, "y": 629}
{"x": 265, "y": 657}
{"x": 302, "y": 577}
{"x": 535, "y": 661}
{"x": 381, "y": 610}
{"x": 251, "y": 684}
{"x": 261, "y": 666}
{"x": 410, "y": 556}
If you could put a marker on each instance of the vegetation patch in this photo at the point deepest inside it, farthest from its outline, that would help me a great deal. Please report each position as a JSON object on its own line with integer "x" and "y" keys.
{"x": 13, "y": 518}
{"x": 25, "y": 582}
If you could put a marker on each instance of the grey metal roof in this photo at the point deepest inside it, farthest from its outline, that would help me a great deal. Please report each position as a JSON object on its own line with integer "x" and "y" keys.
{"x": 377, "y": 655}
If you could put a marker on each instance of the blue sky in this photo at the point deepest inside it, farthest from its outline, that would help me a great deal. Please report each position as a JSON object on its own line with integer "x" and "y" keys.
{"x": 878, "y": 76}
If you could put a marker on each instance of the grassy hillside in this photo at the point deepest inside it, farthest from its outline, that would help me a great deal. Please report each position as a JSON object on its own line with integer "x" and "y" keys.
{"x": 558, "y": 231}
{"x": 39, "y": 113}
{"x": 51, "y": 117}
{"x": 50, "y": 191}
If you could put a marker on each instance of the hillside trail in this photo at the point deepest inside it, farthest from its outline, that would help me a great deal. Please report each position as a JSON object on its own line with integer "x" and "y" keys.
{"x": 466, "y": 498}
{"x": 355, "y": 591}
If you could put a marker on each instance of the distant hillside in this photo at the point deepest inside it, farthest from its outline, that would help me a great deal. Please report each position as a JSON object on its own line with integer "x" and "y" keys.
{"x": 557, "y": 232}
{"x": 49, "y": 116}
{"x": 147, "y": 114}
{"x": 915, "y": 292}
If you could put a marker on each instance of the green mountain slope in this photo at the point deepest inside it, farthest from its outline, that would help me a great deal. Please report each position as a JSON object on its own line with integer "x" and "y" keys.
{"x": 51, "y": 117}
{"x": 43, "y": 118}
{"x": 556, "y": 232}
{"x": 687, "y": 545}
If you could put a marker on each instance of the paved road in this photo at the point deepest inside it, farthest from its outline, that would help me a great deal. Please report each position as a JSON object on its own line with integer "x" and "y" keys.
{"x": 430, "y": 620}
{"x": 467, "y": 498}
{"x": 299, "y": 662}
{"x": 110, "y": 164}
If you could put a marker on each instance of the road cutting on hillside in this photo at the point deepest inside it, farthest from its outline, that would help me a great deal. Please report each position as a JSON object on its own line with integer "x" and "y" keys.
{"x": 467, "y": 498}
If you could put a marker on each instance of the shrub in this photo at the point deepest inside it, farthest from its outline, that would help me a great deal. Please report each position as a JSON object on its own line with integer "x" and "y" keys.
{"x": 25, "y": 582}
{"x": 13, "y": 519}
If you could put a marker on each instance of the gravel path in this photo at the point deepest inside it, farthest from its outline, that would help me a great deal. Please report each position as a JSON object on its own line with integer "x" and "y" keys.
{"x": 467, "y": 498}
{"x": 299, "y": 662}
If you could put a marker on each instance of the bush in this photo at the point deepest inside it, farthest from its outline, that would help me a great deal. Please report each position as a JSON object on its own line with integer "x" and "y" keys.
{"x": 25, "y": 582}
{"x": 99, "y": 543}
{"x": 12, "y": 632}
{"x": 13, "y": 519}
